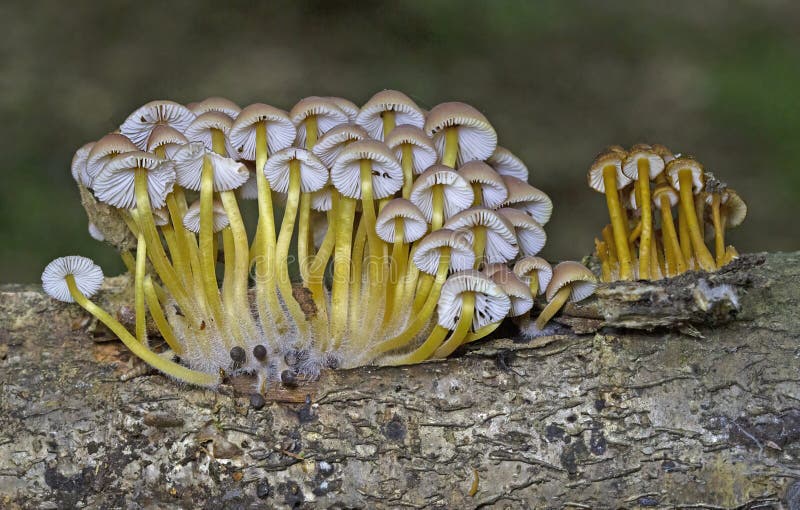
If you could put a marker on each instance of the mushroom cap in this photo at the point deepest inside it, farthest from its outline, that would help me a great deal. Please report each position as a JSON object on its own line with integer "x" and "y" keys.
{"x": 667, "y": 191}
{"x": 78, "y": 164}
{"x": 531, "y": 236}
{"x": 581, "y": 281}
{"x": 525, "y": 197}
{"x": 219, "y": 218}
{"x": 664, "y": 152}
{"x": 330, "y": 144}
{"x": 348, "y": 107}
{"x": 505, "y": 162}
{"x": 735, "y": 208}
{"x": 604, "y": 159}
{"x": 201, "y": 128}
{"x": 400, "y": 209}
{"x": 313, "y": 173}
{"x": 515, "y": 289}
{"x": 322, "y": 199}
{"x": 161, "y": 216}
{"x": 115, "y": 184}
{"x": 491, "y": 303}
{"x": 387, "y": 175}
{"x": 477, "y": 138}
{"x": 490, "y": 269}
{"x": 96, "y": 233}
{"x": 428, "y": 251}
{"x": 143, "y": 120}
{"x": 493, "y": 189}
{"x": 529, "y": 267}
{"x": 104, "y": 150}
{"x": 280, "y": 130}
{"x": 458, "y": 194}
{"x": 675, "y": 166}
{"x": 405, "y": 109}
{"x": 228, "y": 174}
{"x": 501, "y": 242}
{"x": 328, "y": 116}
{"x": 88, "y": 277}
{"x": 641, "y": 151}
{"x": 167, "y": 137}
{"x": 422, "y": 150}
{"x": 216, "y": 104}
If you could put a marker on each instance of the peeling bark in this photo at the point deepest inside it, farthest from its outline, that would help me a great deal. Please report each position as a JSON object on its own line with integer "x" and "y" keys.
{"x": 697, "y": 407}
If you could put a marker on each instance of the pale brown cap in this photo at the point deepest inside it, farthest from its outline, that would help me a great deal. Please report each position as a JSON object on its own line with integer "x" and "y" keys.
{"x": 491, "y": 303}
{"x": 78, "y": 164}
{"x": 581, "y": 281}
{"x": 328, "y": 116}
{"x": 387, "y": 175}
{"x": 400, "y": 209}
{"x": 477, "y": 139}
{"x": 735, "y": 208}
{"x": 506, "y": 163}
{"x": 104, "y": 150}
{"x": 329, "y": 146}
{"x": 667, "y": 191}
{"x": 428, "y": 251}
{"x": 493, "y": 189}
{"x": 313, "y": 173}
{"x": 515, "y": 289}
{"x": 115, "y": 184}
{"x": 422, "y": 150}
{"x": 630, "y": 165}
{"x": 216, "y": 104}
{"x": 501, "y": 239}
{"x": 200, "y": 130}
{"x": 142, "y": 121}
{"x": 525, "y": 197}
{"x": 595, "y": 175}
{"x": 281, "y": 132}
{"x": 348, "y": 107}
{"x": 458, "y": 193}
{"x": 531, "y": 236}
{"x": 675, "y": 166}
{"x": 534, "y": 267}
{"x": 405, "y": 109}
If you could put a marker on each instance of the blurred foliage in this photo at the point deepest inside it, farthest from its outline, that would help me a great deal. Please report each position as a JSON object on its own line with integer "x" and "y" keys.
{"x": 559, "y": 80}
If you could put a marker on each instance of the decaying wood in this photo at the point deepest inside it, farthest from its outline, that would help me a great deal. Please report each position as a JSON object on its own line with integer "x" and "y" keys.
{"x": 697, "y": 407}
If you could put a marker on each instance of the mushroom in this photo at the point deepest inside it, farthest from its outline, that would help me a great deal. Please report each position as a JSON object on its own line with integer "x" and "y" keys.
{"x": 732, "y": 212}
{"x": 506, "y": 163}
{"x": 525, "y": 197}
{"x": 665, "y": 198}
{"x": 78, "y": 165}
{"x": 686, "y": 176}
{"x": 216, "y": 104}
{"x": 415, "y": 151}
{"x": 536, "y": 272}
{"x": 571, "y": 282}
{"x": 313, "y": 117}
{"x": 330, "y": 144}
{"x": 103, "y": 151}
{"x": 143, "y": 120}
{"x": 487, "y": 185}
{"x": 606, "y": 176}
{"x": 531, "y": 236}
{"x": 460, "y": 133}
{"x": 385, "y": 110}
{"x": 440, "y": 192}
{"x": 494, "y": 237}
{"x": 76, "y": 279}
{"x": 348, "y": 107}
{"x": 642, "y": 165}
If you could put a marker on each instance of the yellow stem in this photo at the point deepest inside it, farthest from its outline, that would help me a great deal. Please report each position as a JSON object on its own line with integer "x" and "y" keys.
{"x": 608, "y": 238}
{"x": 375, "y": 261}
{"x": 618, "y": 227}
{"x": 719, "y": 232}
{"x": 477, "y": 194}
{"x": 425, "y": 350}
{"x": 397, "y": 271}
{"x": 312, "y": 131}
{"x": 341, "y": 268}
{"x": 480, "y": 245}
{"x": 450, "y": 147}
{"x": 482, "y": 332}
{"x": 228, "y": 287}
{"x": 437, "y": 207}
{"x": 675, "y": 261}
{"x": 141, "y": 260}
{"x": 164, "y": 365}
{"x": 407, "y": 163}
{"x": 703, "y": 256}
{"x": 388, "y": 122}
{"x": 647, "y": 218}
{"x": 129, "y": 261}
{"x": 303, "y": 237}
{"x": 158, "y": 317}
{"x": 356, "y": 273}
{"x": 207, "y": 253}
{"x": 463, "y": 327}
{"x": 553, "y": 307}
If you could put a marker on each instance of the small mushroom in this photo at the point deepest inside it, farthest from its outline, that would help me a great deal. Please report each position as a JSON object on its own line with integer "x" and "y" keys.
{"x": 460, "y": 133}
{"x": 387, "y": 109}
{"x": 571, "y": 282}
{"x": 415, "y": 151}
{"x": 487, "y": 185}
{"x": 525, "y": 197}
{"x": 139, "y": 124}
{"x": 440, "y": 193}
{"x": 494, "y": 237}
{"x": 313, "y": 117}
{"x": 536, "y": 272}
{"x": 505, "y": 162}
{"x": 642, "y": 165}
{"x": 665, "y": 198}
{"x": 216, "y": 104}
{"x": 686, "y": 176}
{"x": 531, "y": 236}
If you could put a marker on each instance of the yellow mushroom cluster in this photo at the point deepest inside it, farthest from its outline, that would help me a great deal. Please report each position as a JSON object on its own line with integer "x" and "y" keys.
{"x": 385, "y": 234}
{"x": 663, "y": 209}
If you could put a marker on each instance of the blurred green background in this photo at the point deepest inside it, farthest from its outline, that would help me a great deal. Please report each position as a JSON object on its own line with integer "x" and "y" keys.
{"x": 559, "y": 80}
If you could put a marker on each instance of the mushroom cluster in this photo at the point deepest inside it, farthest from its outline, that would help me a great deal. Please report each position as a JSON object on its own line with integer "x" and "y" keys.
{"x": 644, "y": 240}
{"x": 403, "y": 225}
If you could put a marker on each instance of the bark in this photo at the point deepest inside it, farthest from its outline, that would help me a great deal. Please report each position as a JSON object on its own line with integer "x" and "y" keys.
{"x": 675, "y": 394}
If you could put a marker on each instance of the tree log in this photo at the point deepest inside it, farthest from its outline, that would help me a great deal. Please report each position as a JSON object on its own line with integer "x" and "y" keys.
{"x": 681, "y": 393}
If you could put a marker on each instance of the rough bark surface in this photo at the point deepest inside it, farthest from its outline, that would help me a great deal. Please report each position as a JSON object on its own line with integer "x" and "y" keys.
{"x": 691, "y": 409}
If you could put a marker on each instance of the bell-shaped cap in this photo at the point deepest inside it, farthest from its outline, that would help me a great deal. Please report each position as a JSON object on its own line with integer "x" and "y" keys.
{"x": 405, "y": 110}
{"x": 387, "y": 175}
{"x": 140, "y": 123}
{"x": 534, "y": 267}
{"x": 329, "y": 146}
{"x": 200, "y": 130}
{"x": 457, "y": 191}
{"x": 423, "y": 153}
{"x": 166, "y": 137}
{"x": 493, "y": 189}
{"x": 674, "y": 168}
{"x": 313, "y": 173}
{"x": 580, "y": 280}
{"x": 280, "y": 130}
{"x": 525, "y": 197}
{"x": 191, "y": 220}
{"x": 429, "y": 250}
{"x": 400, "y": 209}
{"x": 228, "y": 174}
{"x": 477, "y": 138}
{"x": 664, "y": 152}
{"x": 735, "y": 209}
{"x": 327, "y": 113}
{"x": 491, "y": 303}
{"x": 505, "y": 162}
{"x": 639, "y": 152}
{"x": 322, "y": 199}
{"x": 88, "y": 277}
{"x": 666, "y": 191}
{"x": 515, "y": 289}
{"x": 78, "y": 165}
{"x": 608, "y": 158}
{"x": 501, "y": 241}
{"x": 115, "y": 184}
{"x": 216, "y": 104}
{"x": 348, "y": 107}
{"x": 531, "y": 236}
{"x": 103, "y": 151}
